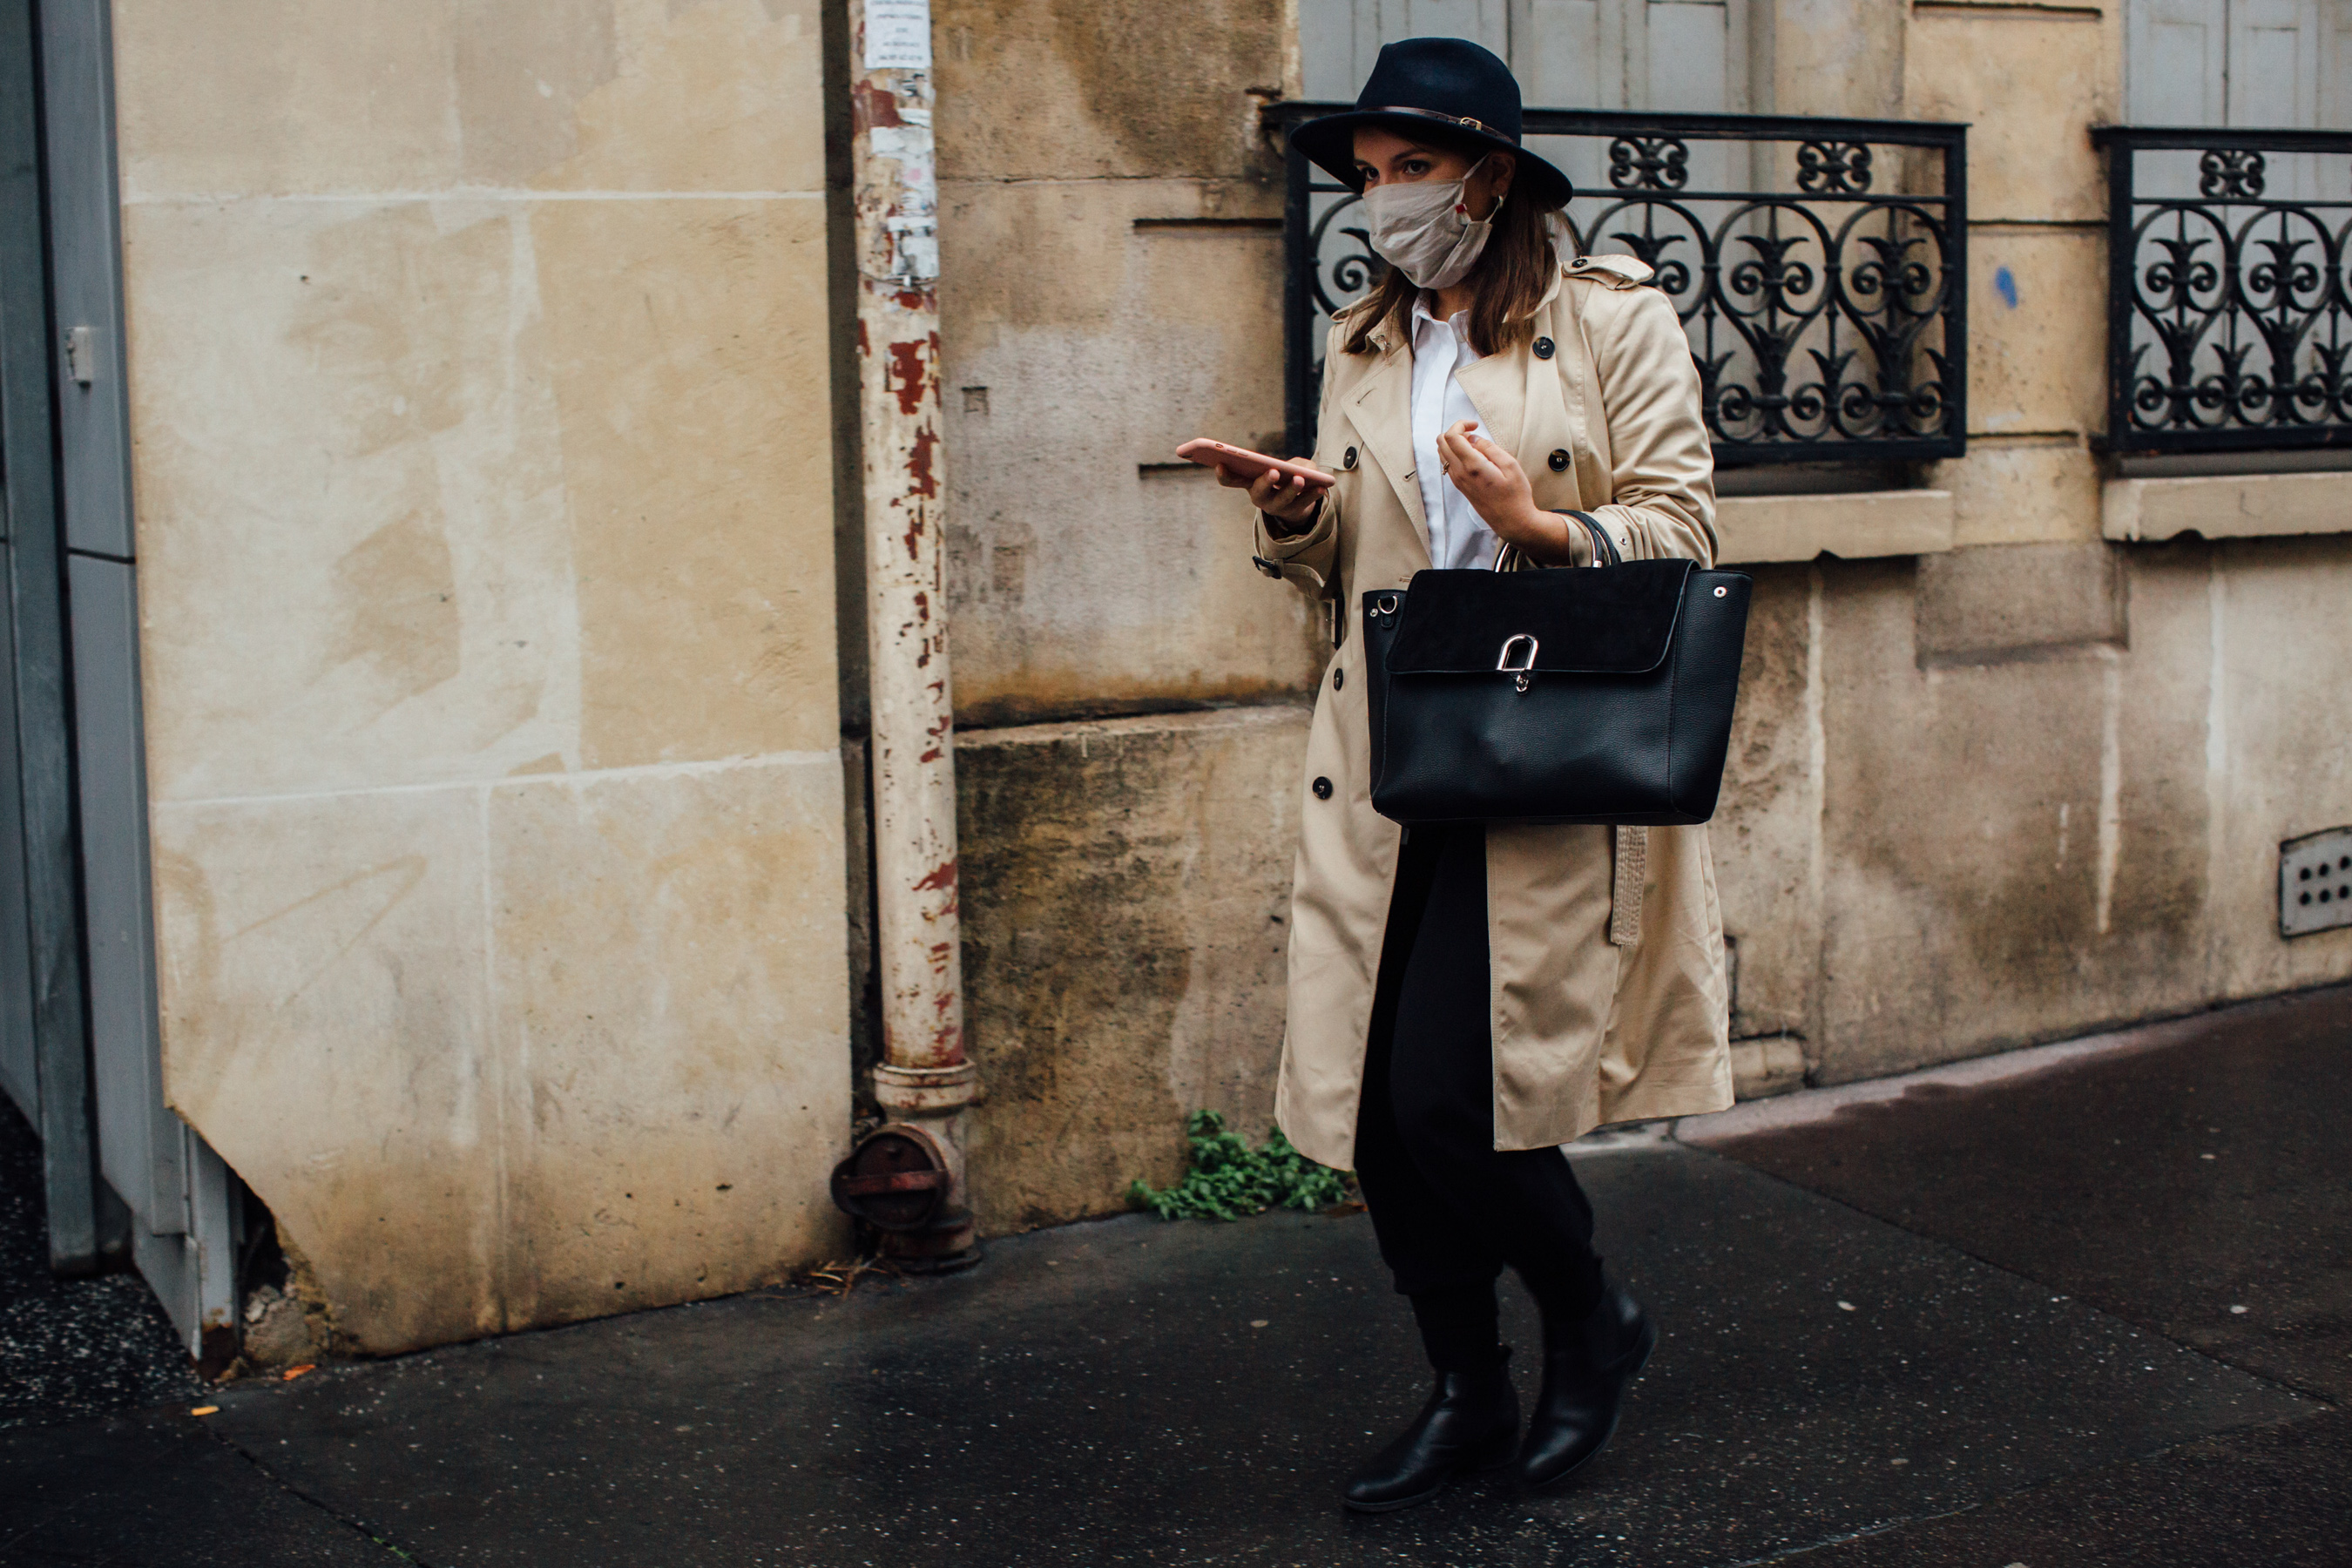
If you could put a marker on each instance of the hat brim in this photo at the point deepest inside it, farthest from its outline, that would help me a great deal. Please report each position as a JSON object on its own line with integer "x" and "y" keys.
{"x": 1329, "y": 144}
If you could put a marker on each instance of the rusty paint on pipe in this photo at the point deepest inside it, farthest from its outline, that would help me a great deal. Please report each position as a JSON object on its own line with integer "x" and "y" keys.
{"x": 924, "y": 1077}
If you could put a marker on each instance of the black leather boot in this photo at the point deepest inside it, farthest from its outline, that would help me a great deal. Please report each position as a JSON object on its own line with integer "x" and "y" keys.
{"x": 1469, "y": 1424}
{"x": 1587, "y": 1365}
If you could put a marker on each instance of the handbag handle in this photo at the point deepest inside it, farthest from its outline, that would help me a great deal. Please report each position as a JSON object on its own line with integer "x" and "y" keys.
{"x": 1604, "y": 549}
{"x": 1511, "y": 558}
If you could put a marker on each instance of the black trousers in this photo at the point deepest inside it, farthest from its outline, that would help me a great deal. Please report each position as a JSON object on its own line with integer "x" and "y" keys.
{"x": 1451, "y": 1210}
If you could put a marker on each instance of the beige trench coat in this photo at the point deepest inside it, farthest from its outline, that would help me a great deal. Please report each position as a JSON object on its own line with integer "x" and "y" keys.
{"x": 1610, "y": 1001}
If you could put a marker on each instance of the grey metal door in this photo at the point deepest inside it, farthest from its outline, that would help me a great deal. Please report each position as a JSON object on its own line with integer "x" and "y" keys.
{"x": 82, "y": 758}
{"x": 44, "y": 1061}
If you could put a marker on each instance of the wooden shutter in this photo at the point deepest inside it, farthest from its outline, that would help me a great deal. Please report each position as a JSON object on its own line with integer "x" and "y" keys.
{"x": 2176, "y": 62}
{"x": 1692, "y": 56}
{"x": 1339, "y": 39}
{"x": 1557, "y": 50}
{"x": 1567, "y": 54}
{"x": 2274, "y": 63}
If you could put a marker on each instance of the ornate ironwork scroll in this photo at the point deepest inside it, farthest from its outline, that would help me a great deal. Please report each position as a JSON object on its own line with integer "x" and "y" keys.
{"x": 1824, "y": 299}
{"x": 2229, "y": 302}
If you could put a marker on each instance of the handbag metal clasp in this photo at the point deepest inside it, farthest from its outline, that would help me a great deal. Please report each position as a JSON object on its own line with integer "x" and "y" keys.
{"x": 1524, "y": 669}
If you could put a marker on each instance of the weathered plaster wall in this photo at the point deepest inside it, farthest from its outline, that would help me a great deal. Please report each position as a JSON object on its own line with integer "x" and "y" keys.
{"x": 1976, "y": 799}
{"x": 2036, "y": 785}
{"x": 1127, "y": 905}
{"x": 479, "y": 387}
{"x": 1111, "y": 248}
{"x": 1947, "y": 832}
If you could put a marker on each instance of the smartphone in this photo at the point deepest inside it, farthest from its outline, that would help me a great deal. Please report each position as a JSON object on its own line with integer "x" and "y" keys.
{"x": 1241, "y": 459}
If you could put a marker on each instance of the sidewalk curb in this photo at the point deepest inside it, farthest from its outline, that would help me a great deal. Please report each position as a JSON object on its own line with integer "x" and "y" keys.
{"x": 1808, "y": 1107}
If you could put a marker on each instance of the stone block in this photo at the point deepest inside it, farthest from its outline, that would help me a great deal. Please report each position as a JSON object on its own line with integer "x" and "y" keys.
{"x": 686, "y": 346}
{"x": 670, "y": 996}
{"x": 1763, "y": 1068}
{"x": 2026, "y": 860}
{"x": 1852, "y": 525}
{"x": 2037, "y": 332}
{"x": 2021, "y": 490}
{"x": 561, "y": 1048}
{"x": 1954, "y": 904}
{"x": 270, "y": 96}
{"x": 1089, "y": 570}
{"x": 327, "y": 1026}
{"x": 433, "y": 492}
{"x": 2029, "y": 80}
{"x": 1842, "y": 58}
{"x": 263, "y": 98}
{"x": 353, "y": 565}
{"x": 1032, "y": 89}
{"x": 1126, "y": 890}
{"x": 2273, "y": 765}
{"x": 2227, "y": 506}
{"x": 1767, "y": 822}
{"x": 2005, "y": 601}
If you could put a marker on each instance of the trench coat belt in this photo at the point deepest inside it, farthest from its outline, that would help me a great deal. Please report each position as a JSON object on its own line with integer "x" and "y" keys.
{"x": 1631, "y": 869}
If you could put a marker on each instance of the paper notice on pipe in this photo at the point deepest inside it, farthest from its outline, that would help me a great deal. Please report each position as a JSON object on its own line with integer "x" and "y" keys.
{"x": 898, "y": 35}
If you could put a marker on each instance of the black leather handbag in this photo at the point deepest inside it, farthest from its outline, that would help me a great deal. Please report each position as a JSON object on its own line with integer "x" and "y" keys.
{"x": 1598, "y": 694}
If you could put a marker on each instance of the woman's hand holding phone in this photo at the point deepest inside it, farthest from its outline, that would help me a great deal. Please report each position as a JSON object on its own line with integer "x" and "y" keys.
{"x": 1288, "y": 489}
{"x": 1287, "y": 496}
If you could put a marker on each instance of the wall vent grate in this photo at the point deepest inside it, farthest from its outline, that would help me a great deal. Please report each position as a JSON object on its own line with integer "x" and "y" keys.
{"x": 2315, "y": 882}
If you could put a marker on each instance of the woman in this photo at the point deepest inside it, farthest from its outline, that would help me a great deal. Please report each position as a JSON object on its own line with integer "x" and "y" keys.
{"x": 1464, "y": 1000}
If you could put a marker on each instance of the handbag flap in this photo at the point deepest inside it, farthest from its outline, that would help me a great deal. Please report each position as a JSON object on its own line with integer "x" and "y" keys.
{"x": 1607, "y": 620}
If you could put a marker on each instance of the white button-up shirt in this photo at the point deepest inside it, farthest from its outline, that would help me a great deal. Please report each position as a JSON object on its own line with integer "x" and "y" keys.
{"x": 1458, "y": 536}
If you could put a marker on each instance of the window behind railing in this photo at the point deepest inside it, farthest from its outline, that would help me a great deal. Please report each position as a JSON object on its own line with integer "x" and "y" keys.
{"x": 1819, "y": 266}
{"x": 2229, "y": 301}
{"x": 2229, "y": 197}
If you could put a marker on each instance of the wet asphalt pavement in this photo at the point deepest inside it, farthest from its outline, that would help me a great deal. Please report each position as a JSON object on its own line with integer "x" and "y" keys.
{"x": 70, "y": 1347}
{"x": 1985, "y": 1322}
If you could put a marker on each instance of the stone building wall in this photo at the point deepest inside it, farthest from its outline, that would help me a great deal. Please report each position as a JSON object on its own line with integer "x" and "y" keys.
{"x": 486, "y": 388}
{"x": 1998, "y": 778}
{"x": 479, "y": 366}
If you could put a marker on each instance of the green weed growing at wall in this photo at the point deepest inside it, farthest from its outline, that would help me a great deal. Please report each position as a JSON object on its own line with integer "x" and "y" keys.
{"x": 1230, "y": 1180}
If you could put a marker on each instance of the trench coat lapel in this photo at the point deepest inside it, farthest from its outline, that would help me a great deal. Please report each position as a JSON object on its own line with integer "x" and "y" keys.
{"x": 1498, "y": 388}
{"x": 1381, "y": 412}
{"x": 1504, "y": 388}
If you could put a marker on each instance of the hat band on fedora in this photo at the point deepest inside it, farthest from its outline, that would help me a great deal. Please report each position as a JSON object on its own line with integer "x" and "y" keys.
{"x": 1462, "y": 120}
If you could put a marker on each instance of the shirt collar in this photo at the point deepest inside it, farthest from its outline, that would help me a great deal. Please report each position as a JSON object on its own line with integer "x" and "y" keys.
{"x": 1459, "y": 321}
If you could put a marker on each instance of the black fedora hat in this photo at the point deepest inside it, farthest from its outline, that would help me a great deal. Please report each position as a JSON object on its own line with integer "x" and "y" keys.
{"x": 1424, "y": 86}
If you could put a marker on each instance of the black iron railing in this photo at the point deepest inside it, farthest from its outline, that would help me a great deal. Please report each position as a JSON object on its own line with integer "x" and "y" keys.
{"x": 1818, "y": 266}
{"x": 2229, "y": 288}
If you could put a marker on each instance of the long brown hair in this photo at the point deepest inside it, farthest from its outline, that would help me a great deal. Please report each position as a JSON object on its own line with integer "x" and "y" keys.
{"x": 1507, "y": 283}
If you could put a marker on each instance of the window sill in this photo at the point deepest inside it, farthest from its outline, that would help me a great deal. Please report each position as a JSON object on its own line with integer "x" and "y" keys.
{"x": 2227, "y": 506}
{"x": 1855, "y": 526}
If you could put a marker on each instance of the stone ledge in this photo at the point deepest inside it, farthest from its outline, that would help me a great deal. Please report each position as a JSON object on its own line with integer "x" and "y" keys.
{"x": 2227, "y": 506}
{"x": 1853, "y": 526}
{"x": 1192, "y": 721}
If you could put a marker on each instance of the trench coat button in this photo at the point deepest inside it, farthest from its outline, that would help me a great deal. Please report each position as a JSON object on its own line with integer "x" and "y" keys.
{"x": 1263, "y": 564}
{"x": 1349, "y": 460}
{"x": 1322, "y": 789}
{"x": 1559, "y": 460}
{"x": 1339, "y": 679}
{"x": 1543, "y": 348}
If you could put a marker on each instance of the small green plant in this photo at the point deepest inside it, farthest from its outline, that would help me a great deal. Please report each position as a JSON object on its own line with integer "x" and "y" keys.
{"x": 1230, "y": 1180}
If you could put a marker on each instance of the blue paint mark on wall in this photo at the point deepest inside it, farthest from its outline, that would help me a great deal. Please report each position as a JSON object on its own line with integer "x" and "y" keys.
{"x": 2004, "y": 283}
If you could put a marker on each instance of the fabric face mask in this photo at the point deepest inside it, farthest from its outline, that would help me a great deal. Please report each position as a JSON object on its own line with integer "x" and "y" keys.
{"x": 1425, "y": 229}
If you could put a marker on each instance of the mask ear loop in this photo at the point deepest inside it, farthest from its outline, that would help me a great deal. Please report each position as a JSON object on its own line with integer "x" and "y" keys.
{"x": 1462, "y": 208}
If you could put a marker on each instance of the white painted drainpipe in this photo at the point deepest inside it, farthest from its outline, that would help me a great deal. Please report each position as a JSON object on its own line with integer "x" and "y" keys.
{"x": 923, "y": 1081}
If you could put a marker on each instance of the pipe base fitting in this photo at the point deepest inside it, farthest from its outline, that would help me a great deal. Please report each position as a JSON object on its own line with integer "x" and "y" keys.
{"x": 925, "y": 1091}
{"x": 930, "y": 1104}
